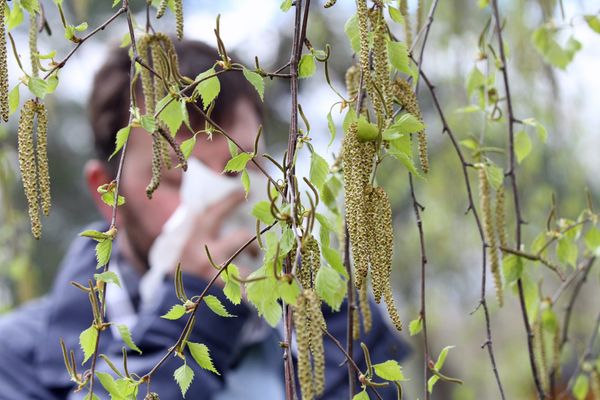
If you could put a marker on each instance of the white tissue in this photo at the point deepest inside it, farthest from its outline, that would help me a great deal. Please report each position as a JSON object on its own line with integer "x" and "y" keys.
{"x": 201, "y": 187}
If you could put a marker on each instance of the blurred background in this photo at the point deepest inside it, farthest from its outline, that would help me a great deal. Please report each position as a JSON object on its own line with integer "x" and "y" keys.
{"x": 566, "y": 102}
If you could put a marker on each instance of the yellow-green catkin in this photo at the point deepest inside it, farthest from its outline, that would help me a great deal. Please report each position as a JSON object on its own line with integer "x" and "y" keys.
{"x": 178, "y": 9}
{"x": 311, "y": 262}
{"x": 33, "y": 50}
{"x": 162, "y": 7}
{"x": 330, "y": 3}
{"x": 147, "y": 82}
{"x": 556, "y": 353}
{"x": 382, "y": 240}
{"x": 152, "y": 396}
{"x": 27, "y": 164}
{"x": 357, "y": 158}
{"x": 406, "y": 97}
{"x": 42, "y": 157}
{"x": 365, "y": 309}
{"x": 156, "y": 165}
{"x": 420, "y": 15}
{"x": 317, "y": 351}
{"x": 488, "y": 230}
{"x": 390, "y": 304}
{"x": 501, "y": 218}
{"x": 352, "y": 81}
{"x": 407, "y": 24}
{"x": 595, "y": 383}
{"x": 355, "y": 323}
{"x": 383, "y": 97}
{"x": 4, "y": 108}
{"x": 303, "y": 333}
{"x": 363, "y": 28}
{"x": 540, "y": 352}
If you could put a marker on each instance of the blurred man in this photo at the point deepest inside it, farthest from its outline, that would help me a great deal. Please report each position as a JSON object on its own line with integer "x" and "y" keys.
{"x": 244, "y": 350}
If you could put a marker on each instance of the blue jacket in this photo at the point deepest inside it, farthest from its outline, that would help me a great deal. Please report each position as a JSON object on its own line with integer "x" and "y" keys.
{"x": 32, "y": 367}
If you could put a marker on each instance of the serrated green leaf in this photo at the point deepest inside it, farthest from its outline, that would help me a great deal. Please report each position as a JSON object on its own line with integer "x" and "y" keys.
{"x": 389, "y": 370}
{"x": 256, "y": 80}
{"x": 475, "y": 81}
{"x": 13, "y": 100}
{"x": 232, "y": 289}
{"x": 87, "y": 342}
{"x": 262, "y": 211}
{"x": 108, "y": 382}
{"x": 398, "y": 55}
{"x": 567, "y": 251}
{"x": 103, "y": 251}
{"x": 318, "y": 170}
{"x": 187, "y": 146}
{"x": 415, "y": 326}
{"x": 331, "y": 127}
{"x": 522, "y": 145}
{"x": 216, "y": 306}
{"x": 208, "y": 88}
{"x": 405, "y": 124}
{"x": 307, "y": 66}
{"x": 330, "y": 287}
{"x": 15, "y": 18}
{"x": 108, "y": 277}
{"x": 176, "y": 312}
{"x": 246, "y": 182}
{"x": 94, "y": 234}
{"x": 109, "y": 199}
{"x": 512, "y": 267}
{"x": 495, "y": 175}
{"x": 173, "y": 113}
{"x": 37, "y": 86}
{"x": 126, "y": 336}
{"x": 592, "y": 240}
{"x": 120, "y": 139}
{"x": 184, "y": 376}
{"x": 353, "y": 33}
{"x": 148, "y": 123}
{"x": 396, "y": 15}
{"x": 288, "y": 291}
{"x": 334, "y": 259}
{"x": 238, "y": 163}
{"x": 201, "y": 354}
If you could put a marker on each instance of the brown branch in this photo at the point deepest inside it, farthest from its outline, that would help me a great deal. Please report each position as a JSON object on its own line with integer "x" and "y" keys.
{"x": 533, "y": 257}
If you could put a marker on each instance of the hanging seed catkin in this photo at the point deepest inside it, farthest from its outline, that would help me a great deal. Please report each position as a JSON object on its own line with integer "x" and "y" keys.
{"x": 4, "y": 108}
{"x": 42, "y": 157}
{"x": 357, "y": 159}
{"x": 156, "y": 165}
{"x": 317, "y": 351}
{"x": 27, "y": 164}
{"x": 488, "y": 229}
{"x": 405, "y": 96}
{"x": 303, "y": 333}
{"x": 501, "y": 218}
{"x": 178, "y": 9}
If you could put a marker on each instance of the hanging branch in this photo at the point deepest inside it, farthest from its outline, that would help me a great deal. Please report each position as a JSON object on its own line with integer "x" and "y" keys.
{"x": 513, "y": 178}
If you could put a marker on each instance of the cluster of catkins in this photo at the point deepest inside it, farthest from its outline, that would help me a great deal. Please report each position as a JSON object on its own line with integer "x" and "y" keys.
{"x": 310, "y": 324}
{"x": 157, "y": 52}
{"x": 33, "y": 161}
{"x": 492, "y": 236}
{"x": 177, "y": 10}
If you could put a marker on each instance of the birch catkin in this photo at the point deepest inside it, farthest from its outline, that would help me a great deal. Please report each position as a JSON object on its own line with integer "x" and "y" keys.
{"x": 382, "y": 98}
{"x": 317, "y": 351}
{"x": 178, "y": 9}
{"x": 488, "y": 229}
{"x": 156, "y": 164}
{"x": 42, "y": 157}
{"x": 365, "y": 309}
{"x": 311, "y": 261}
{"x": 406, "y": 97}
{"x": 303, "y": 333}
{"x": 407, "y": 24}
{"x": 33, "y": 50}
{"x": 501, "y": 218}
{"x": 4, "y": 108}
{"x": 162, "y": 7}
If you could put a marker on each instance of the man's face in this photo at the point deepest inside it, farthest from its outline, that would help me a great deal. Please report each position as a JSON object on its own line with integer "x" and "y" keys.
{"x": 140, "y": 218}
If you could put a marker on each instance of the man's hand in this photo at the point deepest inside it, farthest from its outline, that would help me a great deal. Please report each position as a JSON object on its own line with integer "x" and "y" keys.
{"x": 206, "y": 231}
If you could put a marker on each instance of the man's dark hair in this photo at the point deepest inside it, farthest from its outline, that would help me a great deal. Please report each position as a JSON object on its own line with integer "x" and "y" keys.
{"x": 108, "y": 105}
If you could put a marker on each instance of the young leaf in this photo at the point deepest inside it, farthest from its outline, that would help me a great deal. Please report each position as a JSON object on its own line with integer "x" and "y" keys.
{"x": 330, "y": 287}
{"x": 201, "y": 354}
{"x": 172, "y": 114}
{"x": 87, "y": 341}
{"x": 13, "y": 100}
{"x": 238, "y": 163}
{"x": 103, "y": 251}
{"x": 398, "y": 55}
{"x": 208, "y": 88}
{"x": 38, "y": 87}
{"x": 285, "y": 5}
{"x": 246, "y": 182}
{"x": 415, "y": 326}
{"x": 331, "y": 127}
{"x": 318, "y": 170}
{"x": 126, "y": 336}
{"x": 108, "y": 277}
{"x": 262, "y": 211}
{"x": 216, "y": 306}
{"x": 256, "y": 80}
{"x": 389, "y": 370}
{"x": 307, "y": 66}
{"x": 176, "y": 312}
{"x": 120, "y": 139}
{"x": 184, "y": 376}
{"x": 232, "y": 289}
{"x": 361, "y": 395}
{"x": 522, "y": 145}
{"x": 187, "y": 146}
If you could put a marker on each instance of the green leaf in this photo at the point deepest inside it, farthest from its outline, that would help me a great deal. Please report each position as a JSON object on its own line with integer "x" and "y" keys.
{"x": 15, "y": 18}
{"x": 87, "y": 341}
{"x": 108, "y": 382}
{"x": 96, "y": 235}
{"x": 148, "y": 123}
{"x": 81, "y": 27}
{"x": 202, "y": 356}
{"x": 581, "y": 387}
{"x": 442, "y": 357}
{"x": 331, "y": 127}
{"x": 103, "y": 251}
{"x": 121, "y": 138}
{"x": 109, "y": 199}
{"x": 263, "y": 294}
{"x": 318, "y": 170}
{"x": 176, "y": 312}
{"x": 285, "y": 5}
{"x": 396, "y": 15}
{"x": 216, "y": 306}
{"x": 238, "y": 163}
{"x": 361, "y": 395}
{"x": 389, "y": 370}
{"x": 184, "y": 376}
{"x": 330, "y": 287}
{"x": 173, "y": 113}
{"x": 405, "y": 124}
{"x": 13, "y": 100}
{"x": 307, "y": 66}
{"x": 208, "y": 88}
{"x": 592, "y": 239}
{"x": 366, "y": 131}
{"x": 288, "y": 291}
{"x": 545, "y": 43}
{"x": 256, "y": 80}
{"x": 398, "y": 55}
{"x": 108, "y": 277}
{"x": 593, "y": 22}
{"x": 353, "y": 33}
{"x": 334, "y": 259}
{"x": 567, "y": 251}
{"x": 246, "y": 182}
{"x": 415, "y": 326}
{"x": 495, "y": 175}
{"x": 512, "y": 266}
{"x": 126, "y": 336}
{"x": 37, "y": 86}
{"x": 522, "y": 145}
{"x": 475, "y": 81}
{"x": 51, "y": 83}
{"x": 262, "y": 211}
{"x": 541, "y": 129}
{"x": 187, "y": 146}
{"x": 232, "y": 289}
